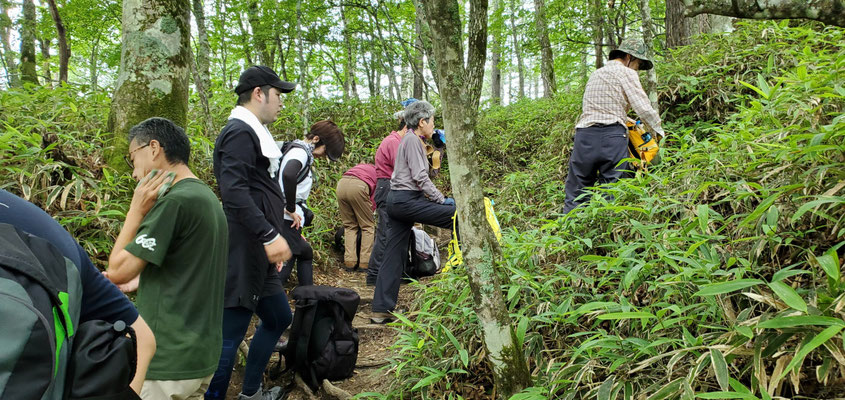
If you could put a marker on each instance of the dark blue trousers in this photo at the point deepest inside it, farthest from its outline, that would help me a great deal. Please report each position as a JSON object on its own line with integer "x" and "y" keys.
{"x": 377, "y": 254}
{"x": 275, "y": 315}
{"x": 405, "y": 208}
{"x": 597, "y": 151}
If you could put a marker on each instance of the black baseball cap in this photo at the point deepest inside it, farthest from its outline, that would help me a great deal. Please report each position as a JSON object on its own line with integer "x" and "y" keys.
{"x": 259, "y": 75}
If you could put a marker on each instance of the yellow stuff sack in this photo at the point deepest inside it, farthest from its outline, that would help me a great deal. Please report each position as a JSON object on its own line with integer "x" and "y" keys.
{"x": 455, "y": 257}
{"x": 639, "y": 148}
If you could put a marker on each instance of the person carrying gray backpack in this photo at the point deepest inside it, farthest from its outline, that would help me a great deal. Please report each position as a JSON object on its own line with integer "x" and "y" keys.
{"x": 74, "y": 334}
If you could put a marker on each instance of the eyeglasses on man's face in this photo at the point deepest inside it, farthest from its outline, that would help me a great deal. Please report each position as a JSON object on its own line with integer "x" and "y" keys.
{"x": 128, "y": 157}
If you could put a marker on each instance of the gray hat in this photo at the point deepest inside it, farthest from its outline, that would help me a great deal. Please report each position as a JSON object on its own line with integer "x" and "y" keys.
{"x": 636, "y": 48}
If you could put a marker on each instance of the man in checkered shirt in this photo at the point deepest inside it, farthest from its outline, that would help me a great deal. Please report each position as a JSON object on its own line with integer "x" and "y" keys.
{"x": 601, "y": 139}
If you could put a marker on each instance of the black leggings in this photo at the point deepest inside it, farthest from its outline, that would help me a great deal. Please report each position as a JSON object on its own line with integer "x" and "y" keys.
{"x": 303, "y": 256}
{"x": 275, "y": 315}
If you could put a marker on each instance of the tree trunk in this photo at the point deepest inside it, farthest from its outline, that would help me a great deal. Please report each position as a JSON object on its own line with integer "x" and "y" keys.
{"x": 259, "y": 36}
{"x": 221, "y": 28}
{"x": 353, "y": 84}
{"x": 677, "y": 26}
{"x": 61, "y": 35}
{"x": 831, "y": 12}
{"x": 92, "y": 65}
{"x": 648, "y": 39}
{"x": 154, "y": 69}
{"x": 597, "y": 20}
{"x": 547, "y": 65}
{"x": 584, "y": 71}
{"x": 388, "y": 60}
{"x": 28, "y": 24}
{"x": 303, "y": 70}
{"x": 680, "y": 29}
{"x": 349, "y": 64}
{"x": 460, "y": 91}
{"x": 46, "y": 73}
{"x": 425, "y": 37}
{"x": 419, "y": 80}
{"x": 244, "y": 38}
{"x": 497, "y": 25}
{"x": 720, "y": 23}
{"x": 391, "y": 78}
{"x": 283, "y": 54}
{"x": 11, "y": 65}
{"x": 372, "y": 75}
{"x": 520, "y": 68}
{"x": 202, "y": 72}
{"x": 611, "y": 27}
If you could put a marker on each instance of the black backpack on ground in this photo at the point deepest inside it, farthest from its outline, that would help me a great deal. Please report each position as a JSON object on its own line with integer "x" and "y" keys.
{"x": 46, "y": 353}
{"x": 322, "y": 342}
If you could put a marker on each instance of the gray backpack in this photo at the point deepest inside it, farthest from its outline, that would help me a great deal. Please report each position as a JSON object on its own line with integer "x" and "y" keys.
{"x": 46, "y": 353}
{"x": 425, "y": 257}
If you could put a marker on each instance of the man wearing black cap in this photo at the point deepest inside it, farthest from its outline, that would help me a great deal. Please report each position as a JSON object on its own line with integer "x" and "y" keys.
{"x": 246, "y": 164}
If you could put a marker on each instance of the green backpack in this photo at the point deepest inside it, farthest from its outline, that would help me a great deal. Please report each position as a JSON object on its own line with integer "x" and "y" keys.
{"x": 45, "y": 352}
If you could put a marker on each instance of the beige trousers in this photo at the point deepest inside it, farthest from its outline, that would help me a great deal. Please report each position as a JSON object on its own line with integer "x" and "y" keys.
{"x": 187, "y": 389}
{"x": 356, "y": 212}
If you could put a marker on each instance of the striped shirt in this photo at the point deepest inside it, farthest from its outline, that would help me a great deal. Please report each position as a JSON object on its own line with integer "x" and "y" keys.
{"x": 611, "y": 91}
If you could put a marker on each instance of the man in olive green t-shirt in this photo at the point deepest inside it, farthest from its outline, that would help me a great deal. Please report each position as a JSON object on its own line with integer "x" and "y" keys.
{"x": 173, "y": 248}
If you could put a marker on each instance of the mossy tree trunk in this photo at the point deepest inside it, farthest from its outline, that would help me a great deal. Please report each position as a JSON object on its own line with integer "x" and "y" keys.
{"x": 28, "y": 25}
{"x": 460, "y": 89}
{"x": 831, "y": 12}
{"x": 154, "y": 69}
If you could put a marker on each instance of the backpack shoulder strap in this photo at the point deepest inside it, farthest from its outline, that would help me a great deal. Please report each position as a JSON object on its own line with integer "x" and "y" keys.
{"x": 303, "y": 173}
{"x": 302, "y": 326}
{"x": 17, "y": 253}
{"x": 58, "y": 279}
